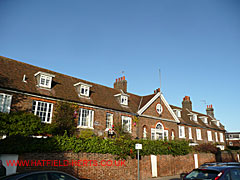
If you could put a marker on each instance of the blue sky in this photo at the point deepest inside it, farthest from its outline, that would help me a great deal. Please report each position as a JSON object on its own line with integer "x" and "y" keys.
{"x": 196, "y": 44}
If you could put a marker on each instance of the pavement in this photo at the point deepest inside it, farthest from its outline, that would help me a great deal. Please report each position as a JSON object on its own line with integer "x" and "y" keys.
{"x": 176, "y": 177}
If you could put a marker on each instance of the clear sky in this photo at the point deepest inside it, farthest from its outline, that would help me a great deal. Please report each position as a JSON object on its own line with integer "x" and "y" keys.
{"x": 195, "y": 43}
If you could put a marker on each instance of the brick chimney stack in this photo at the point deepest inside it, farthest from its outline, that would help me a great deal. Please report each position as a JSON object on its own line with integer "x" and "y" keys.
{"x": 210, "y": 111}
{"x": 121, "y": 83}
{"x": 187, "y": 103}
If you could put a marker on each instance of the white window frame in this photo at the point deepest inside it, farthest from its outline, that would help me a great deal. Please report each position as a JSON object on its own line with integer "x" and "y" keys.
{"x": 45, "y": 79}
{"x": 190, "y": 133}
{"x": 144, "y": 132}
{"x": 128, "y": 125}
{"x": 216, "y": 136}
{"x": 35, "y": 111}
{"x": 199, "y": 134}
{"x": 86, "y": 90}
{"x": 209, "y": 135}
{"x": 89, "y": 118}
{"x": 124, "y": 100}
{"x": 159, "y": 133}
{"x": 6, "y": 97}
{"x": 181, "y": 131}
{"x": 221, "y": 137}
{"x": 173, "y": 135}
{"x": 109, "y": 121}
{"x": 194, "y": 116}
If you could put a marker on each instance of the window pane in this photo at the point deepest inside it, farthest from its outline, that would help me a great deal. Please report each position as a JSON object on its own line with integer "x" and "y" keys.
{"x": 43, "y": 110}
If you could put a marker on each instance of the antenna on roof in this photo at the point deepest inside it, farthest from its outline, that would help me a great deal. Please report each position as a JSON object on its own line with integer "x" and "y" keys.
{"x": 160, "y": 88}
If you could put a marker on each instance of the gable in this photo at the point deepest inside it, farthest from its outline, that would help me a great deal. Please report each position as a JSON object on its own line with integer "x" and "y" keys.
{"x": 149, "y": 109}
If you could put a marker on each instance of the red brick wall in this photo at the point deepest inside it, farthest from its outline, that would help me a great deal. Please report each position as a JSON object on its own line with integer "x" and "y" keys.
{"x": 167, "y": 165}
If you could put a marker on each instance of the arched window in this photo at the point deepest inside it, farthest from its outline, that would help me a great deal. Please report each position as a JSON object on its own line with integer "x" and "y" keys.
{"x": 173, "y": 134}
{"x": 158, "y": 133}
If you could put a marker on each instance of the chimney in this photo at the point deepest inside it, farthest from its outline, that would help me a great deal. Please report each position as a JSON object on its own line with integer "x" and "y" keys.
{"x": 187, "y": 103}
{"x": 156, "y": 91}
{"x": 121, "y": 83}
{"x": 210, "y": 111}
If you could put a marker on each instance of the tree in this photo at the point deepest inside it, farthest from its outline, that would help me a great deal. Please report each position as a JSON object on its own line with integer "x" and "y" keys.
{"x": 64, "y": 119}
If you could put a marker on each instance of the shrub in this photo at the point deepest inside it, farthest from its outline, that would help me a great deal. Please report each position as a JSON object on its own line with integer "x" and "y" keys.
{"x": 206, "y": 147}
{"x": 121, "y": 147}
{"x": 21, "y": 123}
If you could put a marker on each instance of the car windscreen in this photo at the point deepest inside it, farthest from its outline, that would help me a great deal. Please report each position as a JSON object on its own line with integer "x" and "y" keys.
{"x": 202, "y": 174}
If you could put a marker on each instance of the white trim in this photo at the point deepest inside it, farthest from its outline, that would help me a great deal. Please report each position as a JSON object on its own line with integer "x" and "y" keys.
{"x": 129, "y": 119}
{"x": 43, "y": 73}
{"x": 46, "y": 112}
{"x": 81, "y": 83}
{"x": 209, "y": 135}
{"x": 165, "y": 103}
{"x": 89, "y": 119}
{"x": 158, "y": 118}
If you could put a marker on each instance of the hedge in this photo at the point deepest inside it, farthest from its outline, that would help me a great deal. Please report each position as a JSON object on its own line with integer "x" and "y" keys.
{"x": 120, "y": 147}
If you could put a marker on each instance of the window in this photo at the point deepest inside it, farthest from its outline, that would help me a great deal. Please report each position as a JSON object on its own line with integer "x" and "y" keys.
{"x": 190, "y": 132}
{"x": 216, "y": 136}
{"x": 198, "y": 132}
{"x": 43, "y": 110}
{"x": 181, "y": 132}
{"x": 127, "y": 123}
{"x": 209, "y": 134}
{"x": 194, "y": 117}
{"x": 124, "y": 100}
{"x": 84, "y": 90}
{"x": 45, "y": 81}
{"x": 5, "y": 103}
{"x": 221, "y": 137}
{"x": 204, "y": 119}
{"x": 159, "y": 133}
{"x": 173, "y": 135}
{"x": 109, "y": 121}
{"x": 144, "y": 133}
{"x": 85, "y": 119}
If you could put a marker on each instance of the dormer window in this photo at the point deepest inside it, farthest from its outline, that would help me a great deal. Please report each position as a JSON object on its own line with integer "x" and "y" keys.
{"x": 193, "y": 117}
{"x": 177, "y": 112}
{"x": 44, "y": 79}
{"x": 124, "y": 100}
{"x": 204, "y": 119}
{"x": 83, "y": 89}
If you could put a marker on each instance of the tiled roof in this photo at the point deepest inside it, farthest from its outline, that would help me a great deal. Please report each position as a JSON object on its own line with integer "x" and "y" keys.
{"x": 12, "y": 72}
{"x": 186, "y": 120}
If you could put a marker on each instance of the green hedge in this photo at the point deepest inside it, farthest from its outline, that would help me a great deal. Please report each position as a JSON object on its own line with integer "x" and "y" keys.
{"x": 120, "y": 147}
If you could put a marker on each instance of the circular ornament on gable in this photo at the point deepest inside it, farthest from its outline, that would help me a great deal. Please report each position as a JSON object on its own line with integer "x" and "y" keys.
{"x": 159, "y": 108}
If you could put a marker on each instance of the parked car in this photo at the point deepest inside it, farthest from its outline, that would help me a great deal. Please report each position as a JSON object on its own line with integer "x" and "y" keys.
{"x": 220, "y": 164}
{"x": 214, "y": 173}
{"x": 41, "y": 175}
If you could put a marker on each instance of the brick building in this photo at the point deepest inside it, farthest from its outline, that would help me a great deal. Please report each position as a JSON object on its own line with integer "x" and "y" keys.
{"x": 30, "y": 88}
{"x": 233, "y": 138}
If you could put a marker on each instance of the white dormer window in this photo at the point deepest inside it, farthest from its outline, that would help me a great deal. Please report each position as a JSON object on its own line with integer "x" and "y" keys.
{"x": 204, "y": 119}
{"x": 194, "y": 116}
{"x": 177, "y": 112}
{"x": 83, "y": 89}
{"x": 44, "y": 79}
{"x": 124, "y": 100}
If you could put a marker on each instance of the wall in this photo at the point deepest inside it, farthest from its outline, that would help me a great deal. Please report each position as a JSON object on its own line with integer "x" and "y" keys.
{"x": 167, "y": 165}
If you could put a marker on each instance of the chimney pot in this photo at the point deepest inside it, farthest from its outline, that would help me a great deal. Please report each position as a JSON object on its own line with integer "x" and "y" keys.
{"x": 123, "y": 77}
